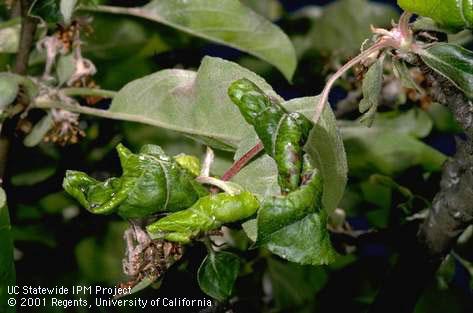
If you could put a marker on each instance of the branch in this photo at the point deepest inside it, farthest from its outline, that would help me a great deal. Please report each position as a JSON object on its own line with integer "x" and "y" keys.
{"x": 28, "y": 29}
{"x": 451, "y": 213}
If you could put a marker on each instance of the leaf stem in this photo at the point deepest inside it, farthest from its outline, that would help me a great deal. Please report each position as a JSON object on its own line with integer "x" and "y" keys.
{"x": 241, "y": 162}
{"x": 328, "y": 86}
{"x": 88, "y": 92}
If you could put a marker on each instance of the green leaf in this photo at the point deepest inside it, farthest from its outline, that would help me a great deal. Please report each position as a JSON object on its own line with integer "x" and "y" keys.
{"x": 414, "y": 122}
{"x": 48, "y": 10}
{"x": 285, "y": 223}
{"x": 151, "y": 182}
{"x": 8, "y": 91}
{"x": 7, "y": 267}
{"x": 372, "y": 84}
{"x": 131, "y": 39}
{"x": 67, "y": 9}
{"x": 208, "y": 213}
{"x": 217, "y": 274}
{"x": 99, "y": 259}
{"x": 224, "y": 21}
{"x": 291, "y": 242}
{"x": 39, "y": 130}
{"x": 402, "y": 73}
{"x": 454, "y": 14}
{"x": 65, "y": 68}
{"x": 325, "y": 146}
{"x": 345, "y": 24}
{"x": 294, "y": 286}
{"x": 271, "y": 9}
{"x": 10, "y": 35}
{"x": 443, "y": 119}
{"x": 453, "y": 62}
{"x": 390, "y": 146}
{"x": 260, "y": 176}
{"x": 282, "y": 133}
{"x": 32, "y": 177}
{"x": 29, "y": 86}
{"x": 192, "y": 103}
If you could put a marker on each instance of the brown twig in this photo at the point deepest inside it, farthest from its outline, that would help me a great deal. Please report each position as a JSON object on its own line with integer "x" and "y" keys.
{"x": 28, "y": 29}
{"x": 451, "y": 213}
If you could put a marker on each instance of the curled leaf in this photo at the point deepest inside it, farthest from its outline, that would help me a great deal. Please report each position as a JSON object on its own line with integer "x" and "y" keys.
{"x": 283, "y": 134}
{"x": 151, "y": 182}
{"x": 285, "y": 222}
{"x": 208, "y": 213}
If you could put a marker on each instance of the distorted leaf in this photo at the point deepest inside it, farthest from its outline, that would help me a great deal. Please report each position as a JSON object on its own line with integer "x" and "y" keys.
{"x": 325, "y": 146}
{"x": 285, "y": 223}
{"x": 151, "y": 182}
{"x": 217, "y": 274}
{"x": 208, "y": 213}
{"x": 282, "y": 133}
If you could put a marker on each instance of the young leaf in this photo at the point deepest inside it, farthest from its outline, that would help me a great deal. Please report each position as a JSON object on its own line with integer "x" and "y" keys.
{"x": 151, "y": 182}
{"x": 453, "y": 62}
{"x": 67, "y": 9}
{"x": 390, "y": 146}
{"x": 10, "y": 35}
{"x": 223, "y": 21}
{"x": 8, "y": 91}
{"x": 324, "y": 145}
{"x": 7, "y": 267}
{"x": 208, "y": 213}
{"x": 192, "y": 103}
{"x": 453, "y": 14}
{"x": 328, "y": 32}
{"x": 39, "y": 130}
{"x": 283, "y": 134}
{"x": 65, "y": 68}
{"x": 217, "y": 274}
{"x": 402, "y": 73}
{"x": 372, "y": 84}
